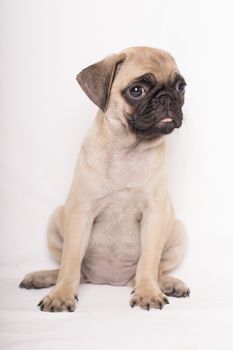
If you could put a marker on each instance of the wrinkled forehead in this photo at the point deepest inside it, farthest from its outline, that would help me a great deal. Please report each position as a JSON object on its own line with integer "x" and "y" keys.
{"x": 139, "y": 62}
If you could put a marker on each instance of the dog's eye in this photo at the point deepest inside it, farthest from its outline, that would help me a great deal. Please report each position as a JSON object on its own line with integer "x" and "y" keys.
{"x": 137, "y": 91}
{"x": 180, "y": 87}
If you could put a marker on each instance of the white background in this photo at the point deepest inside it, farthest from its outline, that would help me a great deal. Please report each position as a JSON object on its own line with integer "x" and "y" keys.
{"x": 45, "y": 115}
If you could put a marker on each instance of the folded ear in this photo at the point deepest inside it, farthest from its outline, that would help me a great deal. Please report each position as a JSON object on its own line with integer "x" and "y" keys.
{"x": 96, "y": 80}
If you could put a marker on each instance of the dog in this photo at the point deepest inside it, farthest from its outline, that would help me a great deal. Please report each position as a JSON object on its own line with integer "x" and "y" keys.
{"x": 118, "y": 225}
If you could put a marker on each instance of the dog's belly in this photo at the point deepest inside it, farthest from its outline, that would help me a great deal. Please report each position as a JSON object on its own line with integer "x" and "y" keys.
{"x": 114, "y": 247}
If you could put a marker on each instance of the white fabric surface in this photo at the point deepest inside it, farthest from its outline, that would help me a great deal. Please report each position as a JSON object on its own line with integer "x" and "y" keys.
{"x": 104, "y": 320}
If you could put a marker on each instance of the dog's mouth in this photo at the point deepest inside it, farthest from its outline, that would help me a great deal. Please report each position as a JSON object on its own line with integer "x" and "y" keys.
{"x": 155, "y": 126}
{"x": 166, "y": 120}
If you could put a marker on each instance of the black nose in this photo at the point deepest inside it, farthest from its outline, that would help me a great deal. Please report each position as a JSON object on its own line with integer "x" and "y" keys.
{"x": 165, "y": 100}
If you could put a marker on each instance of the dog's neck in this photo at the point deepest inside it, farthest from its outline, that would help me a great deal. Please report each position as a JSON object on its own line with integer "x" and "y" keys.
{"x": 111, "y": 131}
{"x": 115, "y": 153}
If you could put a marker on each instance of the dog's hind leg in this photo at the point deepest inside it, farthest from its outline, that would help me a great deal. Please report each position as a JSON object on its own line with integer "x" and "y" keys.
{"x": 55, "y": 233}
{"x": 172, "y": 256}
{"x": 47, "y": 278}
{"x": 40, "y": 279}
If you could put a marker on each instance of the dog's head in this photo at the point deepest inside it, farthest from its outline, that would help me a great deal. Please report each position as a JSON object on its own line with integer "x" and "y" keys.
{"x": 140, "y": 87}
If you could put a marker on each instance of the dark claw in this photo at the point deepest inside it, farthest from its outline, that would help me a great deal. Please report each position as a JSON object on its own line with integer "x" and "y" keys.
{"x": 160, "y": 305}
{"x": 69, "y": 309}
{"x": 132, "y": 291}
{"x": 188, "y": 293}
{"x": 42, "y": 307}
{"x": 75, "y": 297}
{"x": 40, "y": 303}
{"x": 166, "y": 301}
{"x": 52, "y": 309}
{"x": 133, "y": 304}
{"x": 148, "y": 307}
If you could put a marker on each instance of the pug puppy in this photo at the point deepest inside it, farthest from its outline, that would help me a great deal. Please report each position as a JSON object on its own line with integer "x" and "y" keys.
{"x": 118, "y": 225}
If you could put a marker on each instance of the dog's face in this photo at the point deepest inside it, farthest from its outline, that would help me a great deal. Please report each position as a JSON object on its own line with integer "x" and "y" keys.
{"x": 141, "y": 88}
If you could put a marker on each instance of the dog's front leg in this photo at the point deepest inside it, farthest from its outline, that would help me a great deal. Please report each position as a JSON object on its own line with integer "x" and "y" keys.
{"x": 147, "y": 293}
{"x": 76, "y": 239}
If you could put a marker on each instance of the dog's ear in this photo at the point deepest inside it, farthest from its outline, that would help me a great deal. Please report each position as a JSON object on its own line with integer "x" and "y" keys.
{"x": 96, "y": 80}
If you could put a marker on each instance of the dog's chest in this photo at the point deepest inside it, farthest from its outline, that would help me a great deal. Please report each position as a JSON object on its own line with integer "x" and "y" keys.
{"x": 129, "y": 170}
{"x": 114, "y": 246}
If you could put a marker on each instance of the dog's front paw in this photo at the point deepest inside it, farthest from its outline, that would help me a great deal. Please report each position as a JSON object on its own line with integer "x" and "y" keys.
{"x": 148, "y": 298}
{"x": 57, "y": 302}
